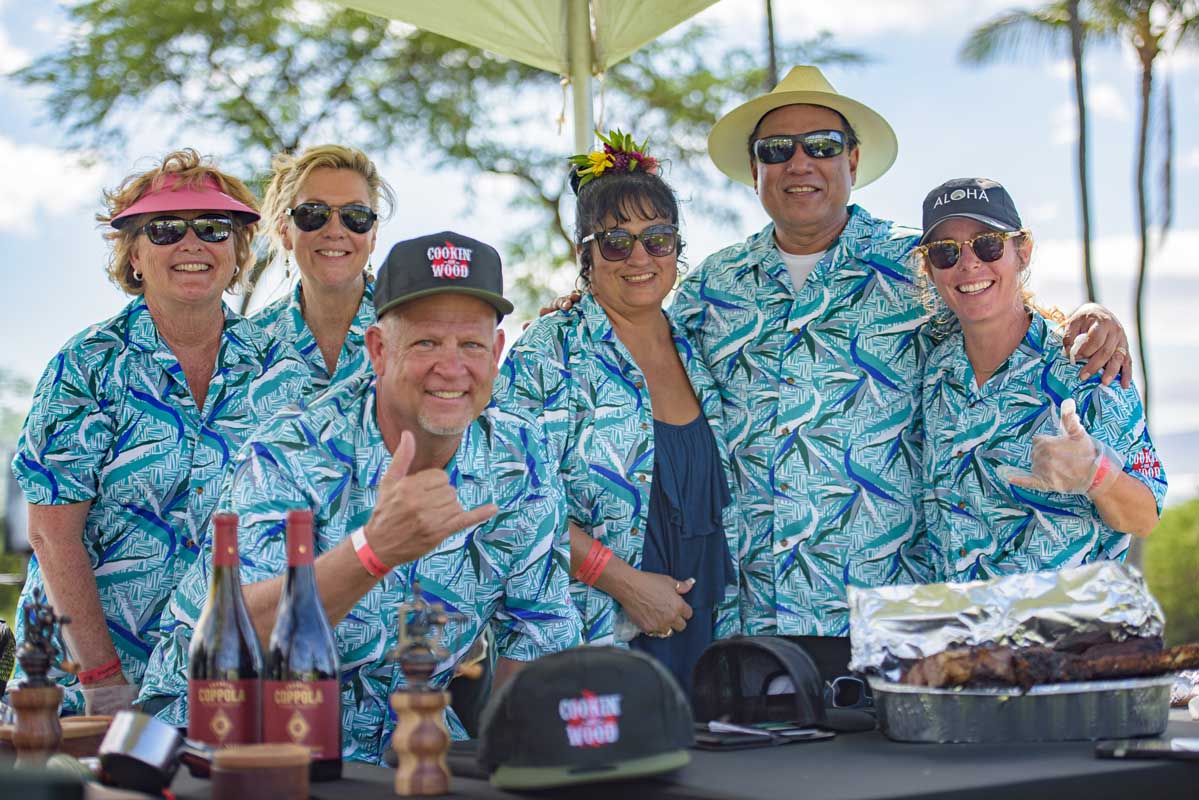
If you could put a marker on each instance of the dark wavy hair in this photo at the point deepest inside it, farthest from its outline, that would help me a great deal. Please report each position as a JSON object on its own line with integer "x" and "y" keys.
{"x": 622, "y": 196}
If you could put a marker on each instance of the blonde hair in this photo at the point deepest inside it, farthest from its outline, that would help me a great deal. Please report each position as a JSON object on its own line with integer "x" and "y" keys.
{"x": 191, "y": 171}
{"x": 289, "y": 173}
{"x": 939, "y": 313}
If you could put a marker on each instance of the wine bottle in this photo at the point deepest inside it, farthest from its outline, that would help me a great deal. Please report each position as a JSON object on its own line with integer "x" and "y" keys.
{"x": 301, "y": 701}
{"x": 224, "y": 660}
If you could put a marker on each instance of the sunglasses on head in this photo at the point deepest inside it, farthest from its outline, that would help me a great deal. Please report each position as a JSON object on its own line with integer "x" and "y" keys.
{"x": 356, "y": 217}
{"x": 780, "y": 148}
{"x": 168, "y": 230}
{"x": 989, "y": 246}
{"x": 617, "y": 244}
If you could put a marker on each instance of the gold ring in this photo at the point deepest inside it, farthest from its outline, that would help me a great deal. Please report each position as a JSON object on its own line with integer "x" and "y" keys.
{"x": 1122, "y": 351}
{"x": 677, "y": 584}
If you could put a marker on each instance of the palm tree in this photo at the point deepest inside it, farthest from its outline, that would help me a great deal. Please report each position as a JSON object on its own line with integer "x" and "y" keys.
{"x": 1048, "y": 28}
{"x": 1153, "y": 28}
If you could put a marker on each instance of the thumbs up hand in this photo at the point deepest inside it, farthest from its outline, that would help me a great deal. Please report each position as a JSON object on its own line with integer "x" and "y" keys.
{"x": 1071, "y": 462}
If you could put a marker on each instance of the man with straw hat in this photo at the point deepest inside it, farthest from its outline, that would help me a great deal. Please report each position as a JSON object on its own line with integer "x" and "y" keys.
{"x": 811, "y": 328}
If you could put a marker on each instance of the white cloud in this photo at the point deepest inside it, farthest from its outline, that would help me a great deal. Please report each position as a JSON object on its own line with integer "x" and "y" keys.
{"x": 11, "y": 57}
{"x": 1041, "y": 214}
{"x": 1104, "y": 101}
{"x": 1063, "y": 125}
{"x": 43, "y": 180}
{"x": 1190, "y": 159}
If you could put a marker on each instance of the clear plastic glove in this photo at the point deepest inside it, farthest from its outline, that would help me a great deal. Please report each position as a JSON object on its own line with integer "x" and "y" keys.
{"x": 108, "y": 700}
{"x": 1072, "y": 462}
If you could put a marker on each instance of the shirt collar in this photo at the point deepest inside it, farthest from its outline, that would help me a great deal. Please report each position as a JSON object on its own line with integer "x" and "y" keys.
{"x": 363, "y": 318}
{"x": 240, "y": 339}
{"x": 855, "y": 241}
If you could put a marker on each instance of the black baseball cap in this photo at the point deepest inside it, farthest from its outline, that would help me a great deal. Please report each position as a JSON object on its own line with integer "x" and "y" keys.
{"x": 585, "y": 715}
{"x": 979, "y": 199}
{"x": 440, "y": 263}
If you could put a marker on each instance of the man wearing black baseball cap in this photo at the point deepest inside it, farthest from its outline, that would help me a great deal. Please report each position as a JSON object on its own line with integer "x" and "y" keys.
{"x": 405, "y": 471}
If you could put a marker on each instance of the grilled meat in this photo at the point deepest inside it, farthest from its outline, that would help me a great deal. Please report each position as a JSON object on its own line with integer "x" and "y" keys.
{"x": 1025, "y": 667}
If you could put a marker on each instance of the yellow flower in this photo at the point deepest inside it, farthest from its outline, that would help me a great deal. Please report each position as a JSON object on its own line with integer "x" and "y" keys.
{"x": 598, "y": 161}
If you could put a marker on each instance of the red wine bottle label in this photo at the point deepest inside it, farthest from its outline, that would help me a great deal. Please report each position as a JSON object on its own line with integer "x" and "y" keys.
{"x": 302, "y": 712}
{"x": 224, "y": 712}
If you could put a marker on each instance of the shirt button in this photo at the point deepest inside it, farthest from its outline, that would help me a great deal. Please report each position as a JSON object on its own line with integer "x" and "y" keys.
{"x": 962, "y": 506}
{"x": 795, "y": 331}
{"x": 199, "y": 490}
{"x": 785, "y": 543}
{"x": 645, "y": 426}
{"x": 785, "y": 430}
{"x": 962, "y": 552}
{"x": 791, "y": 381}
{"x": 639, "y": 385}
{"x": 642, "y": 478}
{"x": 635, "y": 531}
{"x": 187, "y": 543}
{"x": 784, "y": 486}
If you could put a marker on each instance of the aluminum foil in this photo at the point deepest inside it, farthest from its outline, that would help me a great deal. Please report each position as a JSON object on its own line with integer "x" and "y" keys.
{"x": 892, "y": 626}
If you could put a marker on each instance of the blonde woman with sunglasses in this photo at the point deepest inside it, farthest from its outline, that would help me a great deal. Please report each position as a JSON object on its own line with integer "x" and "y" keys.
{"x": 1026, "y": 466}
{"x": 322, "y": 209}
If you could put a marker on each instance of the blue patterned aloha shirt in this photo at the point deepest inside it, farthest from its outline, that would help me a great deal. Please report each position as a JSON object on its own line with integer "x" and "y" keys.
{"x": 820, "y": 388}
{"x": 284, "y": 320}
{"x": 512, "y": 570}
{"x": 114, "y": 423}
{"x": 570, "y": 370}
{"x": 979, "y": 525}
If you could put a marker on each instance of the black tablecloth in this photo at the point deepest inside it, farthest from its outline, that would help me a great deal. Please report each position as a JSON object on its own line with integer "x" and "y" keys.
{"x": 861, "y": 765}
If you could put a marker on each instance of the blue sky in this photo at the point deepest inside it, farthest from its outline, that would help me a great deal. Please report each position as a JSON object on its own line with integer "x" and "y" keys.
{"x": 1012, "y": 122}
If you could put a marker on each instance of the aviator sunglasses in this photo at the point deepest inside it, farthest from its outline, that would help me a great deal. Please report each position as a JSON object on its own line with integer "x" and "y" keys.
{"x": 989, "y": 246}
{"x": 168, "y": 230}
{"x": 617, "y": 244}
{"x": 780, "y": 148}
{"x": 355, "y": 217}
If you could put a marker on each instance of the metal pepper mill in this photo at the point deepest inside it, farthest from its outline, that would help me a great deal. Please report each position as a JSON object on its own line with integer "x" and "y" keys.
{"x": 421, "y": 740}
{"x": 36, "y": 699}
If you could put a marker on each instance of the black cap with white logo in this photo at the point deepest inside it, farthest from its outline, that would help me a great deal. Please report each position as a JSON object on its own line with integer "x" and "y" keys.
{"x": 979, "y": 199}
{"x": 585, "y": 715}
{"x": 440, "y": 263}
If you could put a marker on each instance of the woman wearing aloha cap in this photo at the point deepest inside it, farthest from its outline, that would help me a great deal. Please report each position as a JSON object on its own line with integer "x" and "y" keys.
{"x": 1026, "y": 465}
{"x": 322, "y": 207}
{"x": 136, "y": 418}
{"x": 633, "y": 416}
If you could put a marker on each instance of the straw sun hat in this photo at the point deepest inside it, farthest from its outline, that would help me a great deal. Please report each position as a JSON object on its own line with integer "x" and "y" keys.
{"x": 728, "y": 144}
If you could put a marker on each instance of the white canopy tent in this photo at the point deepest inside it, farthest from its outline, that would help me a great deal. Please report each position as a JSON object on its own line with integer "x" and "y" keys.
{"x": 572, "y": 38}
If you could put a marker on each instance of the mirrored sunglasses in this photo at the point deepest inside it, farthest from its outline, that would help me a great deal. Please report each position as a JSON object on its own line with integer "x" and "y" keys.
{"x": 309, "y": 217}
{"x": 780, "y": 148}
{"x": 617, "y": 244}
{"x": 168, "y": 230}
{"x": 989, "y": 246}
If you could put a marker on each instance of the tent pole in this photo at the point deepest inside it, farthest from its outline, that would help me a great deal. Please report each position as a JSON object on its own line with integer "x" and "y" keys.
{"x": 578, "y": 23}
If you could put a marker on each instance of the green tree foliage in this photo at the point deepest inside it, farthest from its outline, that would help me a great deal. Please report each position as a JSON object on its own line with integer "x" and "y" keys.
{"x": 1172, "y": 570}
{"x": 275, "y": 76}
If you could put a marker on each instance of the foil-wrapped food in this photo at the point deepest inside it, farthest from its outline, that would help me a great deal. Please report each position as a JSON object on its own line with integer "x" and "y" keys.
{"x": 893, "y": 627}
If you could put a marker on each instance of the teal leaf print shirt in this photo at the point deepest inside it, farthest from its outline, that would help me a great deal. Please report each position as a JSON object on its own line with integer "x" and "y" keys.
{"x": 980, "y": 526}
{"x": 819, "y": 385}
{"x": 114, "y": 423}
{"x": 571, "y": 371}
{"x": 284, "y": 321}
{"x": 510, "y": 572}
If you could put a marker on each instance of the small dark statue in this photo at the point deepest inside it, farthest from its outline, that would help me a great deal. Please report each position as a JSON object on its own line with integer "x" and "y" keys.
{"x": 36, "y": 700}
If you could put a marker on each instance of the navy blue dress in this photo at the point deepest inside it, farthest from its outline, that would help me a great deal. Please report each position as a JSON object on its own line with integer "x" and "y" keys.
{"x": 684, "y": 537}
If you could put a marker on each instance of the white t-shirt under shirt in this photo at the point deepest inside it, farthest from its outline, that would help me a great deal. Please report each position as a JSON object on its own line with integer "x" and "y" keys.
{"x": 800, "y": 266}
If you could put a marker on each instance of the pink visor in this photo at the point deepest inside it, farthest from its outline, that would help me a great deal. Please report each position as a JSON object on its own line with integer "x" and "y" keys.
{"x": 206, "y": 197}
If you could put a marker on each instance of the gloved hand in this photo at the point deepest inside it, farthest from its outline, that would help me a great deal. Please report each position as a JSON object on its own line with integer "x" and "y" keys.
{"x": 108, "y": 700}
{"x": 1072, "y": 462}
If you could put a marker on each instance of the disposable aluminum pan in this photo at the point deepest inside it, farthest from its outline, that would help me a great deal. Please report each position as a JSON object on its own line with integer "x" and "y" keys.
{"x": 1053, "y": 712}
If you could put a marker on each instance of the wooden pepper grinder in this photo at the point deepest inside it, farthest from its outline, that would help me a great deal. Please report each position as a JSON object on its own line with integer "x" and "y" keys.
{"x": 421, "y": 740}
{"x": 37, "y": 734}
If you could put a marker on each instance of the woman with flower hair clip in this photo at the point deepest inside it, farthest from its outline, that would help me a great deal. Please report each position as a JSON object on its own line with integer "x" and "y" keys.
{"x": 633, "y": 415}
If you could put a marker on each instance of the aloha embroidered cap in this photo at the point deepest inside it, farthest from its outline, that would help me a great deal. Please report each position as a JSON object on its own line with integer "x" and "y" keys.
{"x": 585, "y": 715}
{"x": 170, "y": 196}
{"x": 440, "y": 263}
{"x": 979, "y": 199}
{"x": 728, "y": 144}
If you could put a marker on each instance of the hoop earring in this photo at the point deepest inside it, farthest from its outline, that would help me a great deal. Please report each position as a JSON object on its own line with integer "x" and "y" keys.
{"x": 137, "y": 276}
{"x": 581, "y": 284}
{"x": 236, "y": 270}
{"x": 287, "y": 266}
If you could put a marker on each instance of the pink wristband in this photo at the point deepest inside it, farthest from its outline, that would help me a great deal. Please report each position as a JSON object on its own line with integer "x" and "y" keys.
{"x": 96, "y": 674}
{"x": 1105, "y": 466}
{"x": 366, "y": 555}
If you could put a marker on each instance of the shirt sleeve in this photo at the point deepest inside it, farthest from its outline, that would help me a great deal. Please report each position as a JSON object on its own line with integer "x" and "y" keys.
{"x": 537, "y": 615}
{"x": 531, "y": 381}
{"x": 67, "y": 435}
{"x": 1114, "y": 415}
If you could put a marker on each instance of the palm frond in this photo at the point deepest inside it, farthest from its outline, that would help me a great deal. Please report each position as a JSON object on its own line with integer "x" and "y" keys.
{"x": 1017, "y": 33}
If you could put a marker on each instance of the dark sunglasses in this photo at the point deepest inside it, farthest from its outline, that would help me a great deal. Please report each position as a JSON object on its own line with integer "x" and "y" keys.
{"x": 617, "y": 244}
{"x": 168, "y": 230}
{"x": 847, "y": 692}
{"x": 355, "y": 217}
{"x": 780, "y": 148}
{"x": 988, "y": 246}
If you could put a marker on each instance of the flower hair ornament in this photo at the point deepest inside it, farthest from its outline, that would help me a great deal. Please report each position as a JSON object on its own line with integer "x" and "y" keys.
{"x": 621, "y": 153}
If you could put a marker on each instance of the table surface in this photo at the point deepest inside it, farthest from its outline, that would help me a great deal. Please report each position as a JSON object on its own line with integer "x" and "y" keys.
{"x": 852, "y": 767}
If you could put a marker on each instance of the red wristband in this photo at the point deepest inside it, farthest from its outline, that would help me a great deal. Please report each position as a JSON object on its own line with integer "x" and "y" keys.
{"x": 366, "y": 555}
{"x": 1105, "y": 466}
{"x": 96, "y": 674}
{"x": 593, "y": 565}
